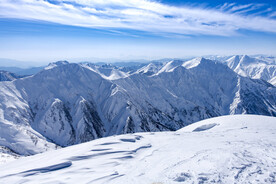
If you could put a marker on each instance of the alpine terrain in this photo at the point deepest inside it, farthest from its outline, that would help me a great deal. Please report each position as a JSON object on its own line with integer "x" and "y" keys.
{"x": 67, "y": 104}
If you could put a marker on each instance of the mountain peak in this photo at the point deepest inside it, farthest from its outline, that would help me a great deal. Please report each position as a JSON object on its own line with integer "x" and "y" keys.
{"x": 194, "y": 62}
{"x": 236, "y": 57}
{"x": 57, "y": 63}
{"x": 246, "y": 60}
{"x": 7, "y": 76}
{"x": 245, "y": 56}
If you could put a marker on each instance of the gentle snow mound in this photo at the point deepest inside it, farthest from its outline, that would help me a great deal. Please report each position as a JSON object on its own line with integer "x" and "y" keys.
{"x": 224, "y": 123}
{"x": 231, "y": 149}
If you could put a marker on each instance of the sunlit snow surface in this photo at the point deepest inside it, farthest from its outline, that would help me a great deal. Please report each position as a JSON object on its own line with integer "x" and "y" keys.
{"x": 227, "y": 149}
{"x": 7, "y": 155}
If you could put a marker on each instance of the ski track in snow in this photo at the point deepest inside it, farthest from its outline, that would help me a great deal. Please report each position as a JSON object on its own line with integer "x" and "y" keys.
{"x": 227, "y": 149}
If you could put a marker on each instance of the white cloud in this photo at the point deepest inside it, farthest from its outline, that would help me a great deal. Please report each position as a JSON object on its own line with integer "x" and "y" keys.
{"x": 142, "y": 15}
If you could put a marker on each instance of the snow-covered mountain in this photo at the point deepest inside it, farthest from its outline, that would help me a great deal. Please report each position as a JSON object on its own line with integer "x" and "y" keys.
{"x": 7, "y": 76}
{"x": 107, "y": 71}
{"x": 67, "y": 104}
{"x": 155, "y": 68}
{"x": 220, "y": 58}
{"x": 257, "y": 68}
{"x": 55, "y": 64}
{"x": 150, "y": 69}
{"x": 268, "y": 59}
{"x": 227, "y": 149}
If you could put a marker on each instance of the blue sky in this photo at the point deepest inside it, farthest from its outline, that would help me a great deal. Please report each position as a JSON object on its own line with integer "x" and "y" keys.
{"x": 77, "y": 30}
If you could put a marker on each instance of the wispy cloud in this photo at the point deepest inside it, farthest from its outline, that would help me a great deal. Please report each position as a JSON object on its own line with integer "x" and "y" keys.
{"x": 253, "y": 9}
{"x": 143, "y": 15}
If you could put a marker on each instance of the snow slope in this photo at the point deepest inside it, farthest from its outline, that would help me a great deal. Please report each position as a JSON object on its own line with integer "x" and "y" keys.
{"x": 170, "y": 66}
{"x": 192, "y": 63}
{"x": 150, "y": 69}
{"x": 273, "y": 81}
{"x": 227, "y": 149}
{"x": 6, "y": 155}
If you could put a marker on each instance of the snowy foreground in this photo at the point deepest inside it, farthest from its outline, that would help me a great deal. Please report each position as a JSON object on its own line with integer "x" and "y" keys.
{"x": 227, "y": 149}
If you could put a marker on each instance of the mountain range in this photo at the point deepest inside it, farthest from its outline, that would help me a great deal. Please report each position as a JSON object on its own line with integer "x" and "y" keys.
{"x": 69, "y": 103}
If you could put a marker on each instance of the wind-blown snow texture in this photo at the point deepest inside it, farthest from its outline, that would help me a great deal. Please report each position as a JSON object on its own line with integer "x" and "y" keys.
{"x": 227, "y": 149}
{"x": 67, "y": 104}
